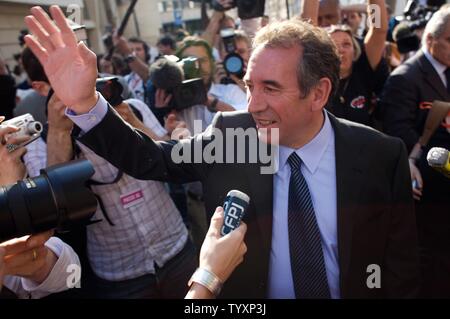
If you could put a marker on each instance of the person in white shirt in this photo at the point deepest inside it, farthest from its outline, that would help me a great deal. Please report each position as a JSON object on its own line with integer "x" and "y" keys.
{"x": 141, "y": 248}
{"x": 32, "y": 266}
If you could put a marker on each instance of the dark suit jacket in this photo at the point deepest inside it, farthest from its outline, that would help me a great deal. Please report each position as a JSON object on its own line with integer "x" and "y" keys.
{"x": 406, "y": 99}
{"x": 376, "y": 222}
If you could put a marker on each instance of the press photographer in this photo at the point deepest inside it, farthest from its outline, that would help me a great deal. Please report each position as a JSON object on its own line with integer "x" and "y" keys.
{"x": 31, "y": 266}
{"x": 408, "y": 28}
{"x": 238, "y": 49}
{"x": 137, "y": 217}
{"x": 410, "y": 102}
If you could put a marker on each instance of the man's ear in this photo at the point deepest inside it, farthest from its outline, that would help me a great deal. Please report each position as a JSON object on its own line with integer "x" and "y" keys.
{"x": 320, "y": 95}
{"x": 41, "y": 87}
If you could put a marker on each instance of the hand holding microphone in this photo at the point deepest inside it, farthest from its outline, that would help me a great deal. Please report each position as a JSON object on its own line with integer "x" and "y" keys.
{"x": 223, "y": 249}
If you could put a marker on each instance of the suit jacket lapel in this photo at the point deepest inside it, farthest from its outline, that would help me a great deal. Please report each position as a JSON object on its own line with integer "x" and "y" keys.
{"x": 262, "y": 193}
{"x": 261, "y": 188}
{"x": 432, "y": 77}
{"x": 349, "y": 182}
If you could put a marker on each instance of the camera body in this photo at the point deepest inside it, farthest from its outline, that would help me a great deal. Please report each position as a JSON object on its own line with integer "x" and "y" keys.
{"x": 191, "y": 68}
{"x": 27, "y": 126}
{"x": 182, "y": 79}
{"x": 189, "y": 93}
{"x": 218, "y": 7}
{"x": 247, "y": 9}
{"x": 233, "y": 62}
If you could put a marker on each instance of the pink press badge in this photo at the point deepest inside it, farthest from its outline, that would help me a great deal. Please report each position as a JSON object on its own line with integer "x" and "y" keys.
{"x": 132, "y": 199}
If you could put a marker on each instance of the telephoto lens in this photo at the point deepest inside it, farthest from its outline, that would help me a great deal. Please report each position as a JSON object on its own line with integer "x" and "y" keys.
{"x": 57, "y": 199}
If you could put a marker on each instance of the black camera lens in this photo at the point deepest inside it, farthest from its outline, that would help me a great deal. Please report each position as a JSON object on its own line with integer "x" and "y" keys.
{"x": 57, "y": 199}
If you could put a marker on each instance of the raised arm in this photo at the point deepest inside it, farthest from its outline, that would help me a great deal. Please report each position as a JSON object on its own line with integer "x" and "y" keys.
{"x": 375, "y": 39}
{"x": 67, "y": 63}
{"x": 310, "y": 11}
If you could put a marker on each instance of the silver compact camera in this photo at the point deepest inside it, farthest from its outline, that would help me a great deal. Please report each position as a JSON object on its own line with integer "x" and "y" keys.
{"x": 27, "y": 126}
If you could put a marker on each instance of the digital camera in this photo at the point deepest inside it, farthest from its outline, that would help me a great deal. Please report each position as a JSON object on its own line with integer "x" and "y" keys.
{"x": 27, "y": 126}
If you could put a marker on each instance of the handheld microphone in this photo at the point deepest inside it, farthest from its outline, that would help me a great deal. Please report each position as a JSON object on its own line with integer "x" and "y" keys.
{"x": 235, "y": 206}
{"x": 439, "y": 159}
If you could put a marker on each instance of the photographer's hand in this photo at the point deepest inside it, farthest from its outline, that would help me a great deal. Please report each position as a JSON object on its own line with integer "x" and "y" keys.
{"x": 121, "y": 44}
{"x": 239, "y": 82}
{"x": 128, "y": 116}
{"x": 219, "y": 73}
{"x": 28, "y": 257}
{"x": 417, "y": 180}
{"x": 226, "y": 4}
{"x": 162, "y": 99}
{"x": 11, "y": 168}
{"x": 177, "y": 130}
{"x": 70, "y": 66}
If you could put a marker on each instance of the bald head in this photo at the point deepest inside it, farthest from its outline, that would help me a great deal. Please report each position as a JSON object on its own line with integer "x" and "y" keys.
{"x": 329, "y": 12}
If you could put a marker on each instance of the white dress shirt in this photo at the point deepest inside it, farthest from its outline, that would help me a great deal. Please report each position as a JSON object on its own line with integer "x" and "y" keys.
{"x": 319, "y": 170}
{"x": 438, "y": 66}
{"x": 55, "y": 282}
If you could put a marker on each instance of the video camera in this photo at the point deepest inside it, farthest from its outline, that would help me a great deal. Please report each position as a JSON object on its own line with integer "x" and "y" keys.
{"x": 415, "y": 17}
{"x": 27, "y": 126}
{"x": 57, "y": 199}
{"x": 182, "y": 79}
{"x": 233, "y": 62}
{"x": 247, "y": 9}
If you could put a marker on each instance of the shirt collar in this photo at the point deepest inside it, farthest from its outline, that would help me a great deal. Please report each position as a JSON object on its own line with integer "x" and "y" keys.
{"x": 438, "y": 66}
{"x": 311, "y": 153}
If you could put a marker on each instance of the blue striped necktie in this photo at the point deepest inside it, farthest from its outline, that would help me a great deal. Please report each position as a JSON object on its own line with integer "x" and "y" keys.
{"x": 307, "y": 262}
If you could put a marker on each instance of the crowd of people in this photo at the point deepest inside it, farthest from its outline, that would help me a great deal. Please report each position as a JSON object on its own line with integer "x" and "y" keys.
{"x": 353, "y": 187}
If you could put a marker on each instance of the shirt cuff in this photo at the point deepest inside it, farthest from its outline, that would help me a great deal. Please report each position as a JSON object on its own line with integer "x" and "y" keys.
{"x": 56, "y": 281}
{"x": 88, "y": 121}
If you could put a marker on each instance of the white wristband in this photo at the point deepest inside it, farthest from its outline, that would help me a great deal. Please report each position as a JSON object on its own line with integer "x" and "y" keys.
{"x": 207, "y": 279}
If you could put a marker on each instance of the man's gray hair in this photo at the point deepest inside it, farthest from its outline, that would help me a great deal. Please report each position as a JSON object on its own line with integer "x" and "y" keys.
{"x": 319, "y": 58}
{"x": 437, "y": 24}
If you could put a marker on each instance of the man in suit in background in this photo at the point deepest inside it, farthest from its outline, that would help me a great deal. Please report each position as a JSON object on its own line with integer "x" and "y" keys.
{"x": 407, "y": 98}
{"x": 339, "y": 206}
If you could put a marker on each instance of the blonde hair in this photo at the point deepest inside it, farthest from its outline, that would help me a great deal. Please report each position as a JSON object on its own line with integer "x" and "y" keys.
{"x": 346, "y": 29}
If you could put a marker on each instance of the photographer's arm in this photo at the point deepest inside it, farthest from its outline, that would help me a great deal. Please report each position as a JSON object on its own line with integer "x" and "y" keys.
{"x": 59, "y": 140}
{"x": 128, "y": 116}
{"x": 213, "y": 27}
{"x": 215, "y": 105}
{"x": 310, "y": 11}
{"x": 11, "y": 168}
{"x": 137, "y": 66}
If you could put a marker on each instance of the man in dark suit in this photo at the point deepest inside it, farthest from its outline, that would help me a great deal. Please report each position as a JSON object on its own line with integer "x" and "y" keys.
{"x": 336, "y": 220}
{"x": 407, "y": 98}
